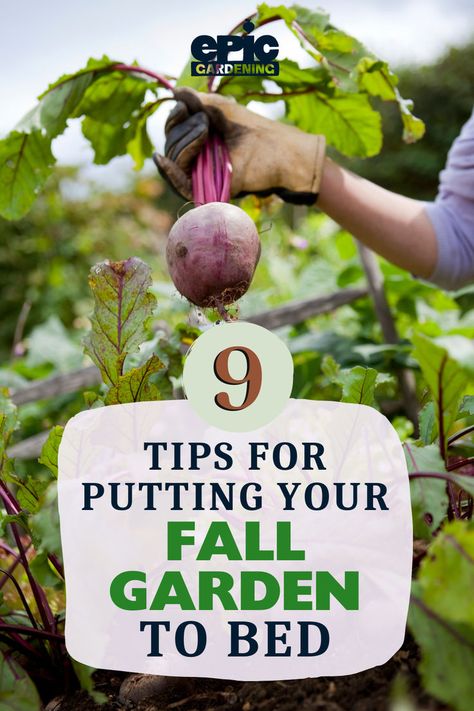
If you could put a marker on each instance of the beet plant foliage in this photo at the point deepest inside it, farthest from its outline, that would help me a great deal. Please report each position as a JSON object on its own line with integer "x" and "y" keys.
{"x": 337, "y": 96}
{"x": 334, "y": 97}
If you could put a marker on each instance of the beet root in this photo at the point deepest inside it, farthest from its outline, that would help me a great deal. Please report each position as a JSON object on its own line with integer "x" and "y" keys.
{"x": 212, "y": 253}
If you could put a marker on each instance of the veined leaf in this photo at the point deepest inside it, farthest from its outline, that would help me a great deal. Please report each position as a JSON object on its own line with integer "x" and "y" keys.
{"x": 134, "y": 386}
{"x": 447, "y": 364}
{"x": 429, "y": 497}
{"x": 358, "y": 385}
{"x": 29, "y": 493}
{"x": 349, "y": 64}
{"x": 291, "y": 78}
{"x": 442, "y": 616}
{"x": 60, "y": 100}
{"x": 123, "y": 307}
{"x": 25, "y": 164}
{"x": 113, "y": 139}
{"x": 113, "y": 97}
{"x": 348, "y": 121}
{"x": 427, "y": 420}
{"x": 17, "y": 691}
{"x": 49, "y": 452}
{"x": 93, "y": 66}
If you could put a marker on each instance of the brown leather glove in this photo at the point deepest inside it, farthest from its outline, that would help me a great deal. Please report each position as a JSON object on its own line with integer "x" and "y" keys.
{"x": 267, "y": 156}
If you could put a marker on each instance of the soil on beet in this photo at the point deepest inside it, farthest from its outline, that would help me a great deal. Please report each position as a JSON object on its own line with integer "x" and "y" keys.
{"x": 368, "y": 691}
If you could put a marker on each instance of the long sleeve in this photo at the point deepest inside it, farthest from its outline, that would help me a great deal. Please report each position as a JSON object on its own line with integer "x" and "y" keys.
{"x": 452, "y": 214}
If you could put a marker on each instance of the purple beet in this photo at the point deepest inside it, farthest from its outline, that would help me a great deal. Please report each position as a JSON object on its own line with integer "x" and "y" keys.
{"x": 212, "y": 253}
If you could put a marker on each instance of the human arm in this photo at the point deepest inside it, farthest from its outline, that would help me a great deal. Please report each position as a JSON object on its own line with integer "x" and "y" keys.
{"x": 434, "y": 241}
{"x": 394, "y": 226}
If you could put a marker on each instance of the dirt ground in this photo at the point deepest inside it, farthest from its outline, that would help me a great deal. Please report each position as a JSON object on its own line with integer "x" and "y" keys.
{"x": 367, "y": 691}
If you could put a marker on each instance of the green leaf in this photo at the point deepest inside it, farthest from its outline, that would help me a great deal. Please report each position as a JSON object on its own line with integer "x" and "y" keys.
{"x": 44, "y": 524}
{"x": 49, "y": 452}
{"x": 110, "y": 140}
{"x": 134, "y": 386}
{"x": 84, "y": 675}
{"x": 291, "y": 77}
{"x": 8, "y": 421}
{"x": 467, "y": 406}
{"x": 140, "y": 146}
{"x": 44, "y": 572}
{"x": 446, "y": 364}
{"x": 429, "y": 498}
{"x": 122, "y": 309}
{"x": 442, "y": 616}
{"x": 450, "y": 558}
{"x": 114, "y": 97}
{"x": 348, "y": 121}
{"x": 350, "y": 65}
{"x": 266, "y": 12}
{"x": 330, "y": 368}
{"x": 375, "y": 77}
{"x": 186, "y": 79}
{"x": 17, "y": 691}
{"x": 60, "y": 100}
{"x": 427, "y": 421}
{"x": 51, "y": 342}
{"x": 21, "y": 519}
{"x": 25, "y": 164}
{"x": 29, "y": 493}
{"x": 358, "y": 385}
{"x": 107, "y": 140}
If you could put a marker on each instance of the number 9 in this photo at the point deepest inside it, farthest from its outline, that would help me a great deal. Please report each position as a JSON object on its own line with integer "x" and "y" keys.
{"x": 252, "y": 377}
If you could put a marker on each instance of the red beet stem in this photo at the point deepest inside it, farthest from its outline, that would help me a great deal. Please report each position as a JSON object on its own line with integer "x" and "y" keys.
{"x": 212, "y": 172}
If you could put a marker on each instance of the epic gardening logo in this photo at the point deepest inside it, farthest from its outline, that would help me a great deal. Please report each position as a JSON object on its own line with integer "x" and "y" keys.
{"x": 258, "y": 54}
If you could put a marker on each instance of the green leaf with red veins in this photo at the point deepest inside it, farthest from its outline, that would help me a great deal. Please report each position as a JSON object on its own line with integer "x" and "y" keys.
{"x": 25, "y": 164}
{"x": 429, "y": 497}
{"x": 447, "y": 364}
{"x": 135, "y": 385}
{"x": 123, "y": 307}
{"x": 441, "y": 616}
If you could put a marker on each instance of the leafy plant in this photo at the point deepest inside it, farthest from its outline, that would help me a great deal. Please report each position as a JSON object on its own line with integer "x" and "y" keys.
{"x": 115, "y": 100}
{"x": 340, "y": 357}
{"x": 29, "y": 528}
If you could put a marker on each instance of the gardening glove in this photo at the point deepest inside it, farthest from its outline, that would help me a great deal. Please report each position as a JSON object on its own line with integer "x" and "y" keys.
{"x": 267, "y": 156}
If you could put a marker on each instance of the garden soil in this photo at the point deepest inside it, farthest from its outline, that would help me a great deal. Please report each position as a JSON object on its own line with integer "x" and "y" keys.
{"x": 368, "y": 691}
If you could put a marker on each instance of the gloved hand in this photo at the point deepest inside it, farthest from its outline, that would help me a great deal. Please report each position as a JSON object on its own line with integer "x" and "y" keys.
{"x": 267, "y": 156}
